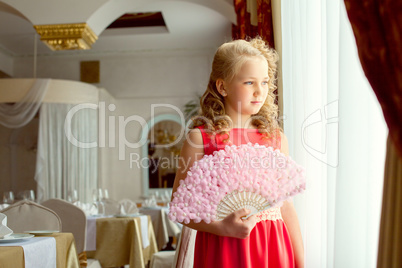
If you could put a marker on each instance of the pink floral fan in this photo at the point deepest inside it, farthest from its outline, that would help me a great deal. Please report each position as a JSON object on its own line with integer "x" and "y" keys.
{"x": 246, "y": 176}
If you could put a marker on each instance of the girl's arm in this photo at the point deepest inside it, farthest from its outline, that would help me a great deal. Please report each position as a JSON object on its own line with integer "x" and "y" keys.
{"x": 232, "y": 225}
{"x": 289, "y": 216}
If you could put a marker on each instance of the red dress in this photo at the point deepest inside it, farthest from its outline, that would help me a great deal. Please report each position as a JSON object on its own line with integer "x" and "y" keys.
{"x": 268, "y": 244}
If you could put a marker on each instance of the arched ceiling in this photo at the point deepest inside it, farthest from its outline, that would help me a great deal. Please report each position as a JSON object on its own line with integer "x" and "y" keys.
{"x": 190, "y": 24}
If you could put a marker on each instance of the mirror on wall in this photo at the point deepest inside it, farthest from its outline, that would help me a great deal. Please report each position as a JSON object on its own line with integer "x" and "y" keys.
{"x": 163, "y": 152}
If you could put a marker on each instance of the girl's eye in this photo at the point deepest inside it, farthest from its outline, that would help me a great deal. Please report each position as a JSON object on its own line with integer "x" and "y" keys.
{"x": 248, "y": 83}
{"x": 265, "y": 83}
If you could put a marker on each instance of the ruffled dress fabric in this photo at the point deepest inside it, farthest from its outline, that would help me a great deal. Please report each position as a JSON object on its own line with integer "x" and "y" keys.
{"x": 268, "y": 244}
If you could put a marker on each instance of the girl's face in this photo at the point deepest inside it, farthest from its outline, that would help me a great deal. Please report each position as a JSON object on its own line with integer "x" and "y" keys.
{"x": 247, "y": 91}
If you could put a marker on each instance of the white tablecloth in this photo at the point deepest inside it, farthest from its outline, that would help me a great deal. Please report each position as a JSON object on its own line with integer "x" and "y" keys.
{"x": 144, "y": 231}
{"x": 38, "y": 251}
{"x": 91, "y": 234}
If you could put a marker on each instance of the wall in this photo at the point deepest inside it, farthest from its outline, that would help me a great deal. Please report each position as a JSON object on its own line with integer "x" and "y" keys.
{"x": 136, "y": 81}
{"x": 6, "y": 63}
{"x": 141, "y": 74}
{"x": 18, "y": 158}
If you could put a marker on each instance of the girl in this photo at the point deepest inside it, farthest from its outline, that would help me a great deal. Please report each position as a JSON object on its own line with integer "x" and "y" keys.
{"x": 238, "y": 107}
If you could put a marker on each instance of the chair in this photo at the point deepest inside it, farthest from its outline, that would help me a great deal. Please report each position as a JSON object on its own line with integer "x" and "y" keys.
{"x": 74, "y": 221}
{"x": 162, "y": 259}
{"x": 26, "y": 215}
{"x": 182, "y": 257}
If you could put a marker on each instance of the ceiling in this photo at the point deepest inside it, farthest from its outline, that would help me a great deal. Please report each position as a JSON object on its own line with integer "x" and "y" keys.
{"x": 190, "y": 24}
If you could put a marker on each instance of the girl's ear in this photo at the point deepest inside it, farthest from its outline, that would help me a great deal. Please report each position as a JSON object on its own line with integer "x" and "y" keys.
{"x": 220, "y": 86}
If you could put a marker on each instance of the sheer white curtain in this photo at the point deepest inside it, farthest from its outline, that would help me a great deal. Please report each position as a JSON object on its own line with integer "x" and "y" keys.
{"x": 336, "y": 130}
{"x": 67, "y": 154}
{"x": 21, "y": 113}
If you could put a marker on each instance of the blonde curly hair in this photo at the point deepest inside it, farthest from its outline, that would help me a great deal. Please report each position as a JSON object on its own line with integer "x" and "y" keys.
{"x": 228, "y": 60}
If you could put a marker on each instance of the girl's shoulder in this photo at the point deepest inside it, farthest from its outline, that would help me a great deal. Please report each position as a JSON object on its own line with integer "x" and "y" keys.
{"x": 193, "y": 145}
{"x": 194, "y": 136}
{"x": 283, "y": 142}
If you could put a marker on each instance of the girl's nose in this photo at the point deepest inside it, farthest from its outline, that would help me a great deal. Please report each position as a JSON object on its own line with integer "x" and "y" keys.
{"x": 257, "y": 90}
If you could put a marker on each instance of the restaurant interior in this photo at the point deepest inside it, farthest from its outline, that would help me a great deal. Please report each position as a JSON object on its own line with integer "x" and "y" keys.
{"x": 96, "y": 98}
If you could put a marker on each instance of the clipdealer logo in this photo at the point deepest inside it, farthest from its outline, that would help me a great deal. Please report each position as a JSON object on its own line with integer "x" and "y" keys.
{"x": 120, "y": 125}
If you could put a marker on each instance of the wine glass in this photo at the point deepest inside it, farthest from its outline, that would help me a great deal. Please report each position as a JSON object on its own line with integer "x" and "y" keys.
{"x": 105, "y": 194}
{"x": 100, "y": 194}
{"x": 29, "y": 195}
{"x": 152, "y": 202}
{"x": 8, "y": 197}
{"x": 97, "y": 194}
{"x": 167, "y": 197}
{"x": 72, "y": 196}
{"x": 100, "y": 208}
{"x": 157, "y": 195}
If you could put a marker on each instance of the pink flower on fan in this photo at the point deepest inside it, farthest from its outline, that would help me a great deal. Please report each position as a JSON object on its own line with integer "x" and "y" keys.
{"x": 247, "y": 171}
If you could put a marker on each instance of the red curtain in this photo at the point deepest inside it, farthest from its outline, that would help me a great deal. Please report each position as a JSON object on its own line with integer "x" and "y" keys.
{"x": 377, "y": 26}
{"x": 244, "y": 29}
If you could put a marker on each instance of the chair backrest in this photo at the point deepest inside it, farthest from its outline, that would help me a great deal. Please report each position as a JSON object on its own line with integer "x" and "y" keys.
{"x": 73, "y": 220}
{"x": 26, "y": 215}
{"x": 184, "y": 256}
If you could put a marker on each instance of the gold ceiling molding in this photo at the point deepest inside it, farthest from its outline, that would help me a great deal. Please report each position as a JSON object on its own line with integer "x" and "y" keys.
{"x": 66, "y": 36}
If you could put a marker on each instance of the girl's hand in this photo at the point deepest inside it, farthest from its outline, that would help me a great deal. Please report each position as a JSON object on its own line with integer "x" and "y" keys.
{"x": 234, "y": 226}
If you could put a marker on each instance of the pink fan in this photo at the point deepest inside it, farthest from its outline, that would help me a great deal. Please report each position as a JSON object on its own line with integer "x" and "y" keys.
{"x": 246, "y": 176}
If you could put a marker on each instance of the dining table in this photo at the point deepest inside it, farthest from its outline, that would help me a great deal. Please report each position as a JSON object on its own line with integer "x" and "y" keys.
{"x": 164, "y": 228}
{"x": 116, "y": 241}
{"x": 41, "y": 250}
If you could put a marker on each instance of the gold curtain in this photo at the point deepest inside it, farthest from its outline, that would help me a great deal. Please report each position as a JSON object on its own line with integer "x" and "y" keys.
{"x": 377, "y": 26}
{"x": 390, "y": 242}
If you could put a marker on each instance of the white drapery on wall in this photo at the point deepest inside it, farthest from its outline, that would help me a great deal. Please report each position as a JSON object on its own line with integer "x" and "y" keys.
{"x": 107, "y": 152}
{"x": 336, "y": 130}
{"x": 21, "y": 113}
{"x": 61, "y": 165}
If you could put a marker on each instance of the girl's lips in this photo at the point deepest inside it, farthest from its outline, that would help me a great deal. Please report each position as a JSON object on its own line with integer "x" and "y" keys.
{"x": 256, "y": 102}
